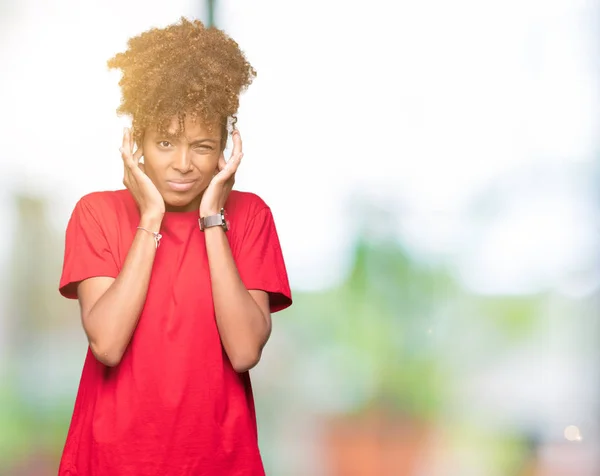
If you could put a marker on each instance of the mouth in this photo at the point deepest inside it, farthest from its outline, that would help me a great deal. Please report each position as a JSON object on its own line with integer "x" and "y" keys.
{"x": 180, "y": 185}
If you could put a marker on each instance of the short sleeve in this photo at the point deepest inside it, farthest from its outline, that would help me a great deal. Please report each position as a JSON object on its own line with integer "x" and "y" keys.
{"x": 87, "y": 251}
{"x": 260, "y": 260}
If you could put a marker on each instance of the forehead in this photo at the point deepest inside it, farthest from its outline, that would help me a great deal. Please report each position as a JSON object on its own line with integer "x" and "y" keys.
{"x": 193, "y": 129}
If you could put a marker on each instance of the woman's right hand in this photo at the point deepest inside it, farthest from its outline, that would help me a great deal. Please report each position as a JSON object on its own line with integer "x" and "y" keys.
{"x": 145, "y": 193}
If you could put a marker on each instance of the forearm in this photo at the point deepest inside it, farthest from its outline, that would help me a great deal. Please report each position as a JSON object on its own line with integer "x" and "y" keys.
{"x": 243, "y": 327}
{"x": 113, "y": 318}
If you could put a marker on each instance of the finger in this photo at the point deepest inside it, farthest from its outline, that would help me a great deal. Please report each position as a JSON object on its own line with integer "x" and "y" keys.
{"x": 237, "y": 143}
{"x": 229, "y": 170}
{"x": 126, "y": 176}
{"x": 131, "y": 141}
{"x": 125, "y": 144}
{"x": 221, "y": 165}
{"x": 126, "y": 156}
{"x": 142, "y": 167}
{"x": 224, "y": 175}
{"x": 125, "y": 148}
{"x": 233, "y": 165}
{"x": 138, "y": 155}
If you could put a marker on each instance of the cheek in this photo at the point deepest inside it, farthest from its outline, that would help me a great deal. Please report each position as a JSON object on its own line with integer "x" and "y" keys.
{"x": 207, "y": 165}
{"x": 149, "y": 167}
{"x": 155, "y": 170}
{"x": 155, "y": 161}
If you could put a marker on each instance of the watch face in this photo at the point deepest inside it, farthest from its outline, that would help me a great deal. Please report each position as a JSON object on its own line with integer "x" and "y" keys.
{"x": 214, "y": 220}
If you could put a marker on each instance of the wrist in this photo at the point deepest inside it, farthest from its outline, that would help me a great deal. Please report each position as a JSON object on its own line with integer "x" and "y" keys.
{"x": 151, "y": 222}
{"x": 209, "y": 212}
{"x": 213, "y": 219}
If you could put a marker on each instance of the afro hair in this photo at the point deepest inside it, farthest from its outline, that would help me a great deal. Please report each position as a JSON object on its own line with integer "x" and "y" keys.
{"x": 184, "y": 69}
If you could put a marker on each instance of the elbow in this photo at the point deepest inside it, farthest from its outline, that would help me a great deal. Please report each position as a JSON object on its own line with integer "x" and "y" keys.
{"x": 109, "y": 361}
{"x": 105, "y": 355}
{"x": 245, "y": 361}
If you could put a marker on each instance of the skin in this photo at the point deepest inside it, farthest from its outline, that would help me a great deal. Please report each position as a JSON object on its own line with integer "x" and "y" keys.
{"x": 110, "y": 308}
{"x": 193, "y": 157}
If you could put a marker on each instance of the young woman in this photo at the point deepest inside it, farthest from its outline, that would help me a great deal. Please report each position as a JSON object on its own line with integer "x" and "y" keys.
{"x": 176, "y": 275}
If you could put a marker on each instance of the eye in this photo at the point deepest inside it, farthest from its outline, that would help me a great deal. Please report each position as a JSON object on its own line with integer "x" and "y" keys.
{"x": 165, "y": 144}
{"x": 203, "y": 148}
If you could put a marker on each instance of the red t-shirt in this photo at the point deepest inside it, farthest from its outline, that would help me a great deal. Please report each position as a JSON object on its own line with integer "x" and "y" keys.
{"x": 174, "y": 406}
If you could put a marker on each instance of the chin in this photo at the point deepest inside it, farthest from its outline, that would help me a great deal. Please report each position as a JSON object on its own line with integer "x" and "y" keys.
{"x": 183, "y": 202}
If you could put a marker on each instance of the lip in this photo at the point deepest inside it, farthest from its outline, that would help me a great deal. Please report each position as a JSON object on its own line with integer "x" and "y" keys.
{"x": 181, "y": 185}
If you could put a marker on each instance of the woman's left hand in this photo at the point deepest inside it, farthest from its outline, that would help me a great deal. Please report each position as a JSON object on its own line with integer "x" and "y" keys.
{"x": 215, "y": 195}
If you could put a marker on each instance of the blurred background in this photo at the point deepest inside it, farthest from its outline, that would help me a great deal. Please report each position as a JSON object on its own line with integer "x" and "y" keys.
{"x": 446, "y": 289}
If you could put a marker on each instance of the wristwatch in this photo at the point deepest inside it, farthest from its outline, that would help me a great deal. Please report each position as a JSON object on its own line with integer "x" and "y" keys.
{"x": 213, "y": 220}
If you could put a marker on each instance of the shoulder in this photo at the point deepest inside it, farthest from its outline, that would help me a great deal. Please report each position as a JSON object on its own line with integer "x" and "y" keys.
{"x": 105, "y": 200}
{"x": 249, "y": 216}
{"x": 245, "y": 204}
{"x": 106, "y": 208}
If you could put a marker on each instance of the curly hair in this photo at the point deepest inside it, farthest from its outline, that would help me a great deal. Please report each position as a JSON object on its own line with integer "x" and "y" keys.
{"x": 184, "y": 69}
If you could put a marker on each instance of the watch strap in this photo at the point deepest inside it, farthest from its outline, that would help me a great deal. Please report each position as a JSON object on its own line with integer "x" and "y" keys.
{"x": 213, "y": 220}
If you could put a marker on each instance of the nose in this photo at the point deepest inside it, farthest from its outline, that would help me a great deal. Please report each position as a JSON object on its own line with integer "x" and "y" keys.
{"x": 183, "y": 162}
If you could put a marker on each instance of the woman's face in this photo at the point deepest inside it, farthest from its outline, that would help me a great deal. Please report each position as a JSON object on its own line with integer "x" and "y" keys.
{"x": 181, "y": 166}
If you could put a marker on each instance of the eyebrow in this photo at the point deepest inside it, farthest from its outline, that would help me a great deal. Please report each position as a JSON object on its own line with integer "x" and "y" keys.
{"x": 176, "y": 138}
{"x": 200, "y": 141}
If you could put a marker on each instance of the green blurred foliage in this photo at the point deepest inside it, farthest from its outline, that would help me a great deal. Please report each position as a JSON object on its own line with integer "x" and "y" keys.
{"x": 393, "y": 321}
